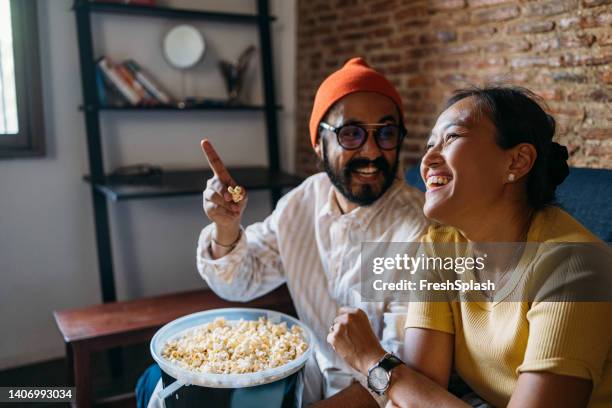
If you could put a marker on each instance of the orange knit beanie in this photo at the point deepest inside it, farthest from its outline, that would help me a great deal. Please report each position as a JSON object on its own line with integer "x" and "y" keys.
{"x": 354, "y": 76}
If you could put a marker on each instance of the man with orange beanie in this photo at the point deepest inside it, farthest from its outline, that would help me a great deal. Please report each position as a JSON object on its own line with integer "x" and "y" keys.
{"x": 312, "y": 240}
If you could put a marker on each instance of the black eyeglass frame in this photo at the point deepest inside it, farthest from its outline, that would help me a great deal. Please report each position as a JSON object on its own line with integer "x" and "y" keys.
{"x": 336, "y": 130}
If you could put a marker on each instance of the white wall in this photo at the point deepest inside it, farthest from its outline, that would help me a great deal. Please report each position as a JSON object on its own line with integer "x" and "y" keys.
{"x": 47, "y": 245}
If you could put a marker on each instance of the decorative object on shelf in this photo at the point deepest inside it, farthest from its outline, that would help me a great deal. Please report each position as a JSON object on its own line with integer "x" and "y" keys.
{"x": 136, "y": 173}
{"x": 184, "y": 46}
{"x": 192, "y": 102}
{"x": 234, "y": 73}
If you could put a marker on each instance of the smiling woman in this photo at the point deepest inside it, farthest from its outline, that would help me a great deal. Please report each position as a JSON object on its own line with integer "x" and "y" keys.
{"x": 21, "y": 115}
{"x": 491, "y": 170}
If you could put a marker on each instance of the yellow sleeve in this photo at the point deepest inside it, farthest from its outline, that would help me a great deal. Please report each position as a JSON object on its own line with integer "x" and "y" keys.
{"x": 436, "y": 315}
{"x": 430, "y": 315}
{"x": 568, "y": 338}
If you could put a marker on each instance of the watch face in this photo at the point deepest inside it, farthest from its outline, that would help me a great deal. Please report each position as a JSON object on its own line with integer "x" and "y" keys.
{"x": 378, "y": 378}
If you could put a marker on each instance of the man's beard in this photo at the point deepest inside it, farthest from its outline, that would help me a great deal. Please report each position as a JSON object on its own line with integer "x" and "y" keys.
{"x": 341, "y": 178}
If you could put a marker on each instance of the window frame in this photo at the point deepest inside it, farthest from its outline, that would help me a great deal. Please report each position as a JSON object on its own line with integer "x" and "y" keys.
{"x": 30, "y": 140}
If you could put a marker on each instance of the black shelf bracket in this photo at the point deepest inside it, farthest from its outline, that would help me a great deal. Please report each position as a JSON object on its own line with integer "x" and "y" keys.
{"x": 94, "y": 151}
{"x": 265, "y": 42}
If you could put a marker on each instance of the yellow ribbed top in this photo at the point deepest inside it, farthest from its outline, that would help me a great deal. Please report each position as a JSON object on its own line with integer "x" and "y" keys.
{"x": 494, "y": 343}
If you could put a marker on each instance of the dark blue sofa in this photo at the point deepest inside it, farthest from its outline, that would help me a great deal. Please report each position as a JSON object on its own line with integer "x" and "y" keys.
{"x": 585, "y": 193}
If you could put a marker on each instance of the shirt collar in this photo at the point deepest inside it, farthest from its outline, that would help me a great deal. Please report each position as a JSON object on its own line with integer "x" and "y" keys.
{"x": 362, "y": 216}
{"x": 331, "y": 208}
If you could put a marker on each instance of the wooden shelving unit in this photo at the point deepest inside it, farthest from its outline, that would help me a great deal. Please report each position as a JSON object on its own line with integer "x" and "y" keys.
{"x": 105, "y": 187}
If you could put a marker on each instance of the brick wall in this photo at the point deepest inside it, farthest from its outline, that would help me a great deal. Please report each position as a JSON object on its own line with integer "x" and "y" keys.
{"x": 561, "y": 49}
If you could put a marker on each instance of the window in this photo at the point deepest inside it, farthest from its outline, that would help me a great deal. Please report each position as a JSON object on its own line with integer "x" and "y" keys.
{"x": 21, "y": 115}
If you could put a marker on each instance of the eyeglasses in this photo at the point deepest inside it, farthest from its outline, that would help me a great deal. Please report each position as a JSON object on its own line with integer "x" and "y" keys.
{"x": 353, "y": 137}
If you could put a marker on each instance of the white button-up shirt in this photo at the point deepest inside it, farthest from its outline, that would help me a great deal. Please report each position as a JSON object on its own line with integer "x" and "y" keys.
{"x": 311, "y": 246}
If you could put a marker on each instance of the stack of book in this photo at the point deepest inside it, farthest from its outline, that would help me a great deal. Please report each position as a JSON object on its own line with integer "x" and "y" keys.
{"x": 125, "y": 83}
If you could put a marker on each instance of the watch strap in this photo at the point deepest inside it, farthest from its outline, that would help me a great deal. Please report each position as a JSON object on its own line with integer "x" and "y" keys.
{"x": 389, "y": 362}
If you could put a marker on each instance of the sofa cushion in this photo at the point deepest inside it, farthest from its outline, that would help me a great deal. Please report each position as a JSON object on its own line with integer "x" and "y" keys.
{"x": 587, "y": 195}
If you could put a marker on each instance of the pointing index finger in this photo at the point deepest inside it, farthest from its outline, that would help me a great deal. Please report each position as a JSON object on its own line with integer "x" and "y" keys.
{"x": 216, "y": 164}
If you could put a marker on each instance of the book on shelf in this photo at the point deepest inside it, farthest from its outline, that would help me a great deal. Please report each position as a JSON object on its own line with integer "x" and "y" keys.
{"x": 108, "y": 94}
{"x": 129, "y": 79}
{"x": 112, "y": 75}
{"x": 101, "y": 86}
{"x": 147, "y": 82}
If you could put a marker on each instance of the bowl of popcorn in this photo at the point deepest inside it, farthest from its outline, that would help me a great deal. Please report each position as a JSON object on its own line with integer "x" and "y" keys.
{"x": 232, "y": 348}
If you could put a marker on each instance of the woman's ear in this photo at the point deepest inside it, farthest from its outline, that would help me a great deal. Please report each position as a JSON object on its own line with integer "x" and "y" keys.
{"x": 522, "y": 159}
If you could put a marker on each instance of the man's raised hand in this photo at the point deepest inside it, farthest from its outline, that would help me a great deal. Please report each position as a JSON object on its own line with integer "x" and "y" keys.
{"x": 218, "y": 203}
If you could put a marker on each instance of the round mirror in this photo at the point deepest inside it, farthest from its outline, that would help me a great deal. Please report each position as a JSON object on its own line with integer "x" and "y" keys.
{"x": 183, "y": 46}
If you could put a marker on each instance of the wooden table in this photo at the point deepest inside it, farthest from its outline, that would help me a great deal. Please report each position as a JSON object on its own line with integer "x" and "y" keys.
{"x": 89, "y": 329}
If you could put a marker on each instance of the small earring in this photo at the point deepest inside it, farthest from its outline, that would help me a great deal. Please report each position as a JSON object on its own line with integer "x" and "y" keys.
{"x": 511, "y": 177}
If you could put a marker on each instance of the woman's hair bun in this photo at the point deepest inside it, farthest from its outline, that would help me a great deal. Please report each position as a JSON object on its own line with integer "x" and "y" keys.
{"x": 558, "y": 169}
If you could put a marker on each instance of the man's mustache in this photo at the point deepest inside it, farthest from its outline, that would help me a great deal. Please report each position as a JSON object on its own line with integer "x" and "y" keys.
{"x": 380, "y": 163}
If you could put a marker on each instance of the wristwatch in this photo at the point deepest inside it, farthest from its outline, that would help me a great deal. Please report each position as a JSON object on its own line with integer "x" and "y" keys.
{"x": 379, "y": 375}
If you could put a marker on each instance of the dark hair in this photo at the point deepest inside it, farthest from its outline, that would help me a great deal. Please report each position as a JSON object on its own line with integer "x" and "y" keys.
{"x": 519, "y": 118}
